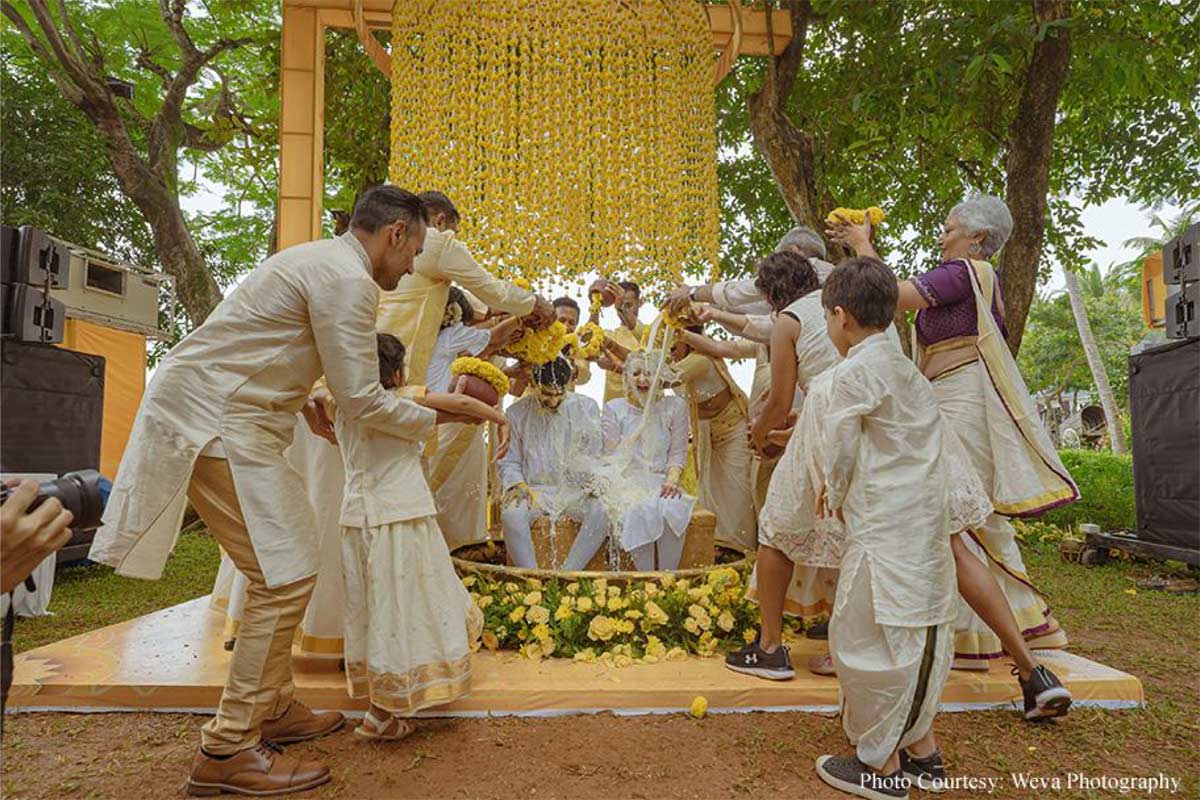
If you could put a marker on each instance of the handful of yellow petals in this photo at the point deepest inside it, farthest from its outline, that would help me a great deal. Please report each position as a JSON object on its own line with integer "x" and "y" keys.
{"x": 855, "y": 215}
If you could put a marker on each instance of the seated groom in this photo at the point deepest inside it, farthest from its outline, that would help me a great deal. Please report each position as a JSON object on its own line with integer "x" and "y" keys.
{"x": 555, "y": 438}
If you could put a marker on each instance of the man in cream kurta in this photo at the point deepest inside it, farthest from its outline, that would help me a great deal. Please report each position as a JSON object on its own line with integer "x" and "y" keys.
{"x": 213, "y": 426}
{"x": 413, "y": 313}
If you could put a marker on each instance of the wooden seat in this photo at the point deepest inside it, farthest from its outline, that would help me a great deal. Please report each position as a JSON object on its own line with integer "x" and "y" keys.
{"x": 699, "y": 547}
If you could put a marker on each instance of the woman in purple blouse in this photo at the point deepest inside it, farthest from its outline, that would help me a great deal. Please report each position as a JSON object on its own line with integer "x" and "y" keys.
{"x": 984, "y": 402}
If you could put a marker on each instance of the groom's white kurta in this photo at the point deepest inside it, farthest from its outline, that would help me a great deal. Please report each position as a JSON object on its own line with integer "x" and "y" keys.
{"x": 553, "y": 453}
{"x": 240, "y": 378}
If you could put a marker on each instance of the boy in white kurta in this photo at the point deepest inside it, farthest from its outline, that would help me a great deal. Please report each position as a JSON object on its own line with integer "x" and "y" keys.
{"x": 555, "y": 440}
{"x": 646, "y": 437}
{"x": 891, "y": 633}
{"x": 410, "y": 625}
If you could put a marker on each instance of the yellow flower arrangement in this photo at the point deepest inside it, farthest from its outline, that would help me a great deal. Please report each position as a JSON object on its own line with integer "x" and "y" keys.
{"x": 522, "y": 283}
{"x": 655, "y": 647}
{"x": 516, "y": 143}
{"x": 698, "y": 708}
{"x": 617, "y": 623}
{"x": 601, "y": 629}
{"x": 485, "y": 370}
{"x": 589, "y": 341}
{"x": 538, "y": 347}
{"x": 855, "y": 215}
{"x": 595, "y": 303}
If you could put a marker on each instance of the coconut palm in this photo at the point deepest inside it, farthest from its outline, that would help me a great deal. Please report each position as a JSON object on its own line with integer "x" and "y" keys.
{"x": 1116, "y": 431}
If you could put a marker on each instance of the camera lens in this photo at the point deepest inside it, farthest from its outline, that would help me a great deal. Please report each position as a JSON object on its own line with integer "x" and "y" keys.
{"x": 79, "y": 493}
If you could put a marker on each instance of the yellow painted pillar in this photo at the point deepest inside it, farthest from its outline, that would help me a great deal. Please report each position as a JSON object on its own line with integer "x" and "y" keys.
{"x": 301, "y": 126}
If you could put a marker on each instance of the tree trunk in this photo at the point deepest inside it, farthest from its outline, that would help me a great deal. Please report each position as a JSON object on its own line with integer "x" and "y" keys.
{"x": 787, "y": 149}
{"x": 1030, "y": 149}
{"x": 789, "y": 154}
{"x": 195, "y": 286}
{"x": 1116, "y": 432}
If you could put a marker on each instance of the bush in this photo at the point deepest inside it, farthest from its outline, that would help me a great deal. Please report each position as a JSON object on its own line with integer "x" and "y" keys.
{"x": 1105, "y": 485}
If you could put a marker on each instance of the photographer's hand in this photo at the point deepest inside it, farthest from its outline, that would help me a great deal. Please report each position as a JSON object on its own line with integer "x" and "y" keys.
{"x": 26, "y": 539}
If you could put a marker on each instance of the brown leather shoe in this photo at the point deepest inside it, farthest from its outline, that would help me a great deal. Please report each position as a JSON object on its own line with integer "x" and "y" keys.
{"x": 299, "y": 723}
{"x": 259, "y": 772}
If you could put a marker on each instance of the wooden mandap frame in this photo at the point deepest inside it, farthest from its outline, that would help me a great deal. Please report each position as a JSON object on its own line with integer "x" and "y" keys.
{"x": 735, "y": 31}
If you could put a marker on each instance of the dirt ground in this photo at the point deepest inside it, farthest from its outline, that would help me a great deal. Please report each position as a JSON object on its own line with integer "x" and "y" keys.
{"x": 1150, "y": 634}
{"x": 734, "y": 755}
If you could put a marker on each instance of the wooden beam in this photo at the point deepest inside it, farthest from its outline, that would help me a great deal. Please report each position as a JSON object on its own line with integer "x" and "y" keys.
{"x": 378, "y": 13}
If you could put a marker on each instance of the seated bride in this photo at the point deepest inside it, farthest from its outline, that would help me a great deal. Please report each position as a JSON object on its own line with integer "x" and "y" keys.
{"x": 646, "y": 439}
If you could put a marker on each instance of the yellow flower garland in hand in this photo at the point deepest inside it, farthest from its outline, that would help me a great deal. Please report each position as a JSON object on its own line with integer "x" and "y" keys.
{"x": 855, "y": 215}
{"x": 484, "y": 370}
{"x": 590, "y": 350}
{"x": 538, "y": 347}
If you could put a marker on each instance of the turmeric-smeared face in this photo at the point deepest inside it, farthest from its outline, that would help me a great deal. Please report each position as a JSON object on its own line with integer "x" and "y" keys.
{"x": 550, "y": 397}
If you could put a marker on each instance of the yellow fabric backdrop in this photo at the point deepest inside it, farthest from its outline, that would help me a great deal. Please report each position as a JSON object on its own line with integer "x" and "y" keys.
{"x": 124, "y": 381}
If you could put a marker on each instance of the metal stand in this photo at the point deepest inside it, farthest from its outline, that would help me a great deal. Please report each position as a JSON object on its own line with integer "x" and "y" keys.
{"x": 1098, "y": 544}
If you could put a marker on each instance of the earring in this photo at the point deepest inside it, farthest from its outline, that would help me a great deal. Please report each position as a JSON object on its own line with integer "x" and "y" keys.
{"x": 974, "y": 248}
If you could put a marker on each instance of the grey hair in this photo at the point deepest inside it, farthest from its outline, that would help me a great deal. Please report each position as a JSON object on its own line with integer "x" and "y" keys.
{"x": 804, "y": 239}
{"x": 986, "y": 214}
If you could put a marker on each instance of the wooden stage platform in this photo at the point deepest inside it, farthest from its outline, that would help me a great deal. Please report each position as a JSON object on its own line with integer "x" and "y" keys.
{"x": 173, "y": 660}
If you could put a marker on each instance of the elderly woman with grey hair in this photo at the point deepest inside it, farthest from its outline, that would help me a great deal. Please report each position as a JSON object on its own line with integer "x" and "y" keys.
{"x": 960, "y": 347}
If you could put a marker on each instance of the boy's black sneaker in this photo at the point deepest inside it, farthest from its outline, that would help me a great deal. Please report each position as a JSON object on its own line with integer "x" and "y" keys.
{"x": 1045, "y": 696}
{"x": 818, "y": 630}
{"x": 753, "y": 660}
{"x": 927, "y": 774}
{"x": 852, "y": 776}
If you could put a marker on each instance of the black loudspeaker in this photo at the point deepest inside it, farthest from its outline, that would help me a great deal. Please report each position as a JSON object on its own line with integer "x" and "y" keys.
{"x": 10, "y": 243}
{"x": 1181, "y": 320}
{"x": 1164, "y": 410}
{"x": 53, "y": 401}
{"x": 31, "y": 315}
{"x": 1181, "y": 257}
{"x": 41, "y": 259}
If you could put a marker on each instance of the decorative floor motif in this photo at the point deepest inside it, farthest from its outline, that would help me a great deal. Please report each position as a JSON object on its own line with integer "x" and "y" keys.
{"x": 174, "y": 660}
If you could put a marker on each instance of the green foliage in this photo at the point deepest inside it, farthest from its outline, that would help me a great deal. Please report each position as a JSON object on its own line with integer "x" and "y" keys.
{"x": 909, "y": 103}
{"x": 1105, "y": 485}
{"x": 1052, "y": 358}
{"x": 56, "y": 170}
{"x": 89, "y": 597}
{"x": 357, "y": 122}
{"x": 56, "y": 173}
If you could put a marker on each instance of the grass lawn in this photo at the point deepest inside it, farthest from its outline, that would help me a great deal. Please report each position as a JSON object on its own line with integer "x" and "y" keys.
{"x": 1152, "y": 634}
{"x": 90, "y": 597}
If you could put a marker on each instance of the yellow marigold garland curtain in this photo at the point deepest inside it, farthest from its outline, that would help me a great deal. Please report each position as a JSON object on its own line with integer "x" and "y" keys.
{"x": 575, "y": 135}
